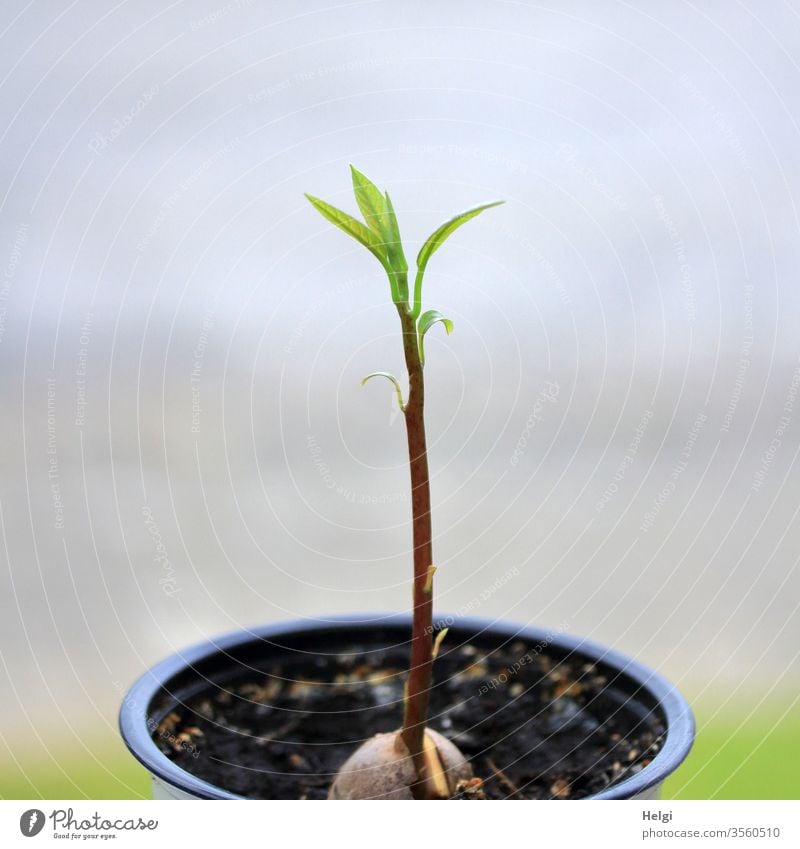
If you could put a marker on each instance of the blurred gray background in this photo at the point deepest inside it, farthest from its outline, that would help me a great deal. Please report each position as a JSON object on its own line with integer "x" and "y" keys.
{"x": 614, "y": 424}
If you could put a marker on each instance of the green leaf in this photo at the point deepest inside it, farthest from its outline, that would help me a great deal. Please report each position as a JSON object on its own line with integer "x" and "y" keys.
{"x": 394, "y": 250}
{"x": 370, "y": 201}
{"x": 435, "y": 241}
{"x": 393, "y": 241}
{"x": 393, "y": 379}
{"x": 379, "y": 215}
{"x": 368, "y": 238}
{"x": 426, "y": 321}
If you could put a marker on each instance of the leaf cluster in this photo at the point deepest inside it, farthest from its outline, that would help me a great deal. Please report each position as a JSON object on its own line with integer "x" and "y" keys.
{"x": 379, "y": 233}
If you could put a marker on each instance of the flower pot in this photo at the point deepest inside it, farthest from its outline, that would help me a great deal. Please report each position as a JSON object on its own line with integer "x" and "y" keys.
{"x": 540, "y": 714}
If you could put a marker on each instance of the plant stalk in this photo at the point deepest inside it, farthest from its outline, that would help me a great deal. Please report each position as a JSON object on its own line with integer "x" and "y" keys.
{"x": 421, "y": 666}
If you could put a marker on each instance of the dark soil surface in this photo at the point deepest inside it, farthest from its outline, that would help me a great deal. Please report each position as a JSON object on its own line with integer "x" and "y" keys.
{"x": 532, "y": 727}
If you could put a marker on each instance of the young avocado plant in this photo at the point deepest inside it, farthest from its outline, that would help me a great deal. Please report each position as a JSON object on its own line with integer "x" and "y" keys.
{"x": 413, "y": 762}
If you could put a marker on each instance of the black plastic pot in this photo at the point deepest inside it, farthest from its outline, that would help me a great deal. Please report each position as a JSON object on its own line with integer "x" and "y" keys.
{"x": 185, "y": 675}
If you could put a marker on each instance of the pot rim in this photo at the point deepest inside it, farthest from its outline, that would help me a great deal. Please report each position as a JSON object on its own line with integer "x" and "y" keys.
{"x": 136, "y": 728}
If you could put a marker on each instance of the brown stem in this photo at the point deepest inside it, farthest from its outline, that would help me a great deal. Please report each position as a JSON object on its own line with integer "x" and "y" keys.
{"x": 421, "y": 666}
